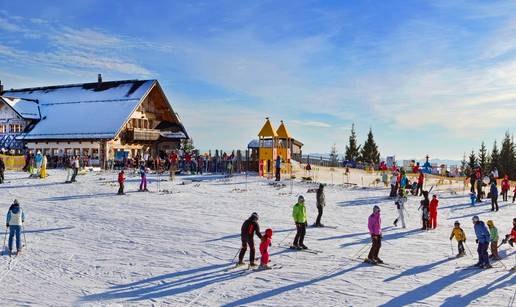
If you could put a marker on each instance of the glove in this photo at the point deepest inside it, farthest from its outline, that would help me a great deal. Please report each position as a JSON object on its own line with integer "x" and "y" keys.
{"x": 451, "y": 238}
{"x": 7, "y": 225}
{"x": 476, "y": 240}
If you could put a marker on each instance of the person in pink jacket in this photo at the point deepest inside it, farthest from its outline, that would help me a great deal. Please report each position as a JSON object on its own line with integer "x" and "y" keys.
{"x": 375, "y": 229}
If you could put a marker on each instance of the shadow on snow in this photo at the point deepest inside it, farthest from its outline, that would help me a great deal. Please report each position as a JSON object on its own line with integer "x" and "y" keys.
{"x": 387, "y": 237}
{"x": 419, "y": 269}
{"x": 43, "y": 230}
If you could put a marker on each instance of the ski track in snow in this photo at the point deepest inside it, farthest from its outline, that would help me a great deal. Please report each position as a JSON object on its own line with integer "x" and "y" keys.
{"x": 88, "y": 246}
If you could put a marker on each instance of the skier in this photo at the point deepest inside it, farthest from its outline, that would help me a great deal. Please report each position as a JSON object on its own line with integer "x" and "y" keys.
{"x": 434, "y": 203}
{"x": 460, "y": 236}
{"x": 121, "y": 181}
{"x": 320, "y": 205}
{"x": 494, "y": 197}
{"x": 75, "y": 167}
{"x": 394, "y": 181}
{"x": 473, "y": 181}
{"x": 14, "y": 221}
{"x": 2, "y": 170}
{"x": 299, "y": 215}
{"x": 43, "y": 173}
{"x": 473, "y": 198}
{"x": 493, "y": 231}
{"x": 483, "y": 238}
{"x": 480, "y": 184}
{"x": 278, "y": 168}
{"x": 375, "y": 230}
{"x": 264, "y": 249}
{"x": 143, "y": 178}
{"x": 506, "y": 186}
{"x": 38, "y": 159}
{"x": 249, "y": 228}
{"x": 420, "y": 182}
{"x": 400, "y": 206}
{"x": 424, "y": 205}
{"x": 511, "y": 238}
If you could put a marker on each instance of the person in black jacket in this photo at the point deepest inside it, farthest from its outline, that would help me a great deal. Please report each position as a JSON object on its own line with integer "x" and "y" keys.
{"x": 2, "y": 169}
{"x": 249, "y": 229}
{"x": 321, "y": 202}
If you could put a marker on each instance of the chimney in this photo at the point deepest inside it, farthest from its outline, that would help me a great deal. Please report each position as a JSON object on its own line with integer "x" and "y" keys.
{"x": 1, "y": 87}
{"x": 100, "y": 78}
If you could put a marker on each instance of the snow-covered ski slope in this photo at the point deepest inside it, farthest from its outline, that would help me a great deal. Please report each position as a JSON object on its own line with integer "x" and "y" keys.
{"x": 88, "y": 246}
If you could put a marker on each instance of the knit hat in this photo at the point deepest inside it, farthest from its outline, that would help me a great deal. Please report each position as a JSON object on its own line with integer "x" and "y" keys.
{"x": 456, "y": 223}
{"x": 475, "y": 219}
{"x": 16, "y": 202}
{"x": 490, "y": 223}
{"x": 254, "y": 215}
{"x": 376, "y": 209}
{"x": 268, "y": 232}
{"x": 300, "y": 199}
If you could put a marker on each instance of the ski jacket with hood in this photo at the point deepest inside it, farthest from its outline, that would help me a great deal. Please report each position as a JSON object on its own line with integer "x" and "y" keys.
{"x": 374, "y": 224}
{"x": 249, "y": 228}
{"x": 458, "y": 233}
{"x": 434, "y": 203}
{"x": 299, "y": 213}
{"x": 482, "y": 233}
{"x": 15, "y": 216}
{"x": 494, "y": 191}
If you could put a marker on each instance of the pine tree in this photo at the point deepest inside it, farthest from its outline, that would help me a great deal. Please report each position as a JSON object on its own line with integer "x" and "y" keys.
{"x": 370, "y": 153}
{"x": 483, "y": 158}
{"x": 507, "y": 157}
{"x": 353, "y": 149}
{"x": 494, "y": 157}
{"x": 464, "y": 164}
{"x": 472, "y": 159}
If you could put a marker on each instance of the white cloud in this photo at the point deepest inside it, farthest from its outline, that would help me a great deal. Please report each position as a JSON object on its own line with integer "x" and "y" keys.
{"x": 315, "y": 124}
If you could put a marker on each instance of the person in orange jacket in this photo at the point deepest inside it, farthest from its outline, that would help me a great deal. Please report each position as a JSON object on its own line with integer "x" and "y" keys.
{"x": 121, "y": 181}
{"x": 506, "y": 186}
{"x": 434, "y": 203}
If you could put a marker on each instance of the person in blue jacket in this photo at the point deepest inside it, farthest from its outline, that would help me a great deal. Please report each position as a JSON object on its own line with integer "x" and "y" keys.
{"x": 483, "y": 239}
{"x": 278, "y": 168}
{"x": 494, "y": 196}
{"x": 14, "y": 221}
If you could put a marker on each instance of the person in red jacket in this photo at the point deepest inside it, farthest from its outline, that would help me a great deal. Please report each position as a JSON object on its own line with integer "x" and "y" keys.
{"x": 264, "y": 249}
{"x": 420, "y": 181}
{"x": 434, "y": 203}
{"x": 506, "y": 186}
{"x": 121, "y": 180}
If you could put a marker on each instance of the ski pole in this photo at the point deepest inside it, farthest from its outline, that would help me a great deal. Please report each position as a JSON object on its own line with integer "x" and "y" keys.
{"x": 359, "y": 252}
{"x": 24, "y": 238}
{"x": 5, "y": 237}
{"x": 451, "y": 246}
{"x": 288, "y": 234}
{"x": 468, "y": 248}
{"x": 233, "y": 260}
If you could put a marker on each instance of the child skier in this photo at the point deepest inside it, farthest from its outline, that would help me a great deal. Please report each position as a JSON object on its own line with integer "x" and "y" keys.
{"x": 483, "y": 238}
{"x": 493, "y": 231}
{"x": 506, "y": 186}
{"x": 14, "y": 221}
{"x": 511, "y": 238}
{"x": 264, "y": 249}
{"x": 460, "y": 236}
{"x": 400, "y": 206}
{"x": 374, "y": 224}
{"x": 473, "y": 198}
{"x": 121, "y": 180}
{"x": 425, "y": 204}
{"x": 434, "y": 203}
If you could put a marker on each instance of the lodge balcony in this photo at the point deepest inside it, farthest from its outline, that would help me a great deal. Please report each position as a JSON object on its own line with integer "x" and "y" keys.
{"x": 141, "y": 135}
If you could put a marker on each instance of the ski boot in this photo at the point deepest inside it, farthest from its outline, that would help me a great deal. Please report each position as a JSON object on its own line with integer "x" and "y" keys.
{"x": 264, "y": 267}
{"x": 295, "y": 246}
{"x": 252, "y": 265}
{"x": 370, "y": 261}
{"x": 302, "y": 246}
{"x": 395, "y": 223}
{"x": 487, "y": 266}
{"x": 379, "y": 261}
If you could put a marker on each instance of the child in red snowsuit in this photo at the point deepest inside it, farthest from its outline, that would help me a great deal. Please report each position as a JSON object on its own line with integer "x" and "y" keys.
{"x": 264, "y": 248}
{"x": 434, "y": 203}
{"x": 121, "y": 180}
{"x": 506, "y": 186}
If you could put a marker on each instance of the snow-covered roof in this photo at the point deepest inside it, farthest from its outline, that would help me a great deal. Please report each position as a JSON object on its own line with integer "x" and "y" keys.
{"x": 25, "y": 108}
{"x": 83, "y": 111}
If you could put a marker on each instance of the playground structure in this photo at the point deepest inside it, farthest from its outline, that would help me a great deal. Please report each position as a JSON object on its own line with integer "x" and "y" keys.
{"x": 272, "y": 144}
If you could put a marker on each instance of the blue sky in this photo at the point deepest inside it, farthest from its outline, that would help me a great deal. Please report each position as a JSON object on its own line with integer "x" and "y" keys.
{"x": 434, "y": 77}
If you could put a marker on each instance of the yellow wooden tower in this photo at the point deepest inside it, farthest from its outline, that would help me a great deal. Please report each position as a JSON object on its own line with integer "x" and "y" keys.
{"x": 284, "y": 146}
{"x": 268, "y": 146}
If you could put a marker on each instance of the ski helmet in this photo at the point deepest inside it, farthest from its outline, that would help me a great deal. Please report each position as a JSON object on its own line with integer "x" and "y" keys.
{"x": 268, "y": 232}
{"x": 376, "y": 209}
{"x": 490, "y": 223}
{"x": 254, "y": 215}
{"x": 300, "y": 199}
{"x": 16, "y": 202}
{"x": 456, "y": 223}
{"x": 475, "y": 219}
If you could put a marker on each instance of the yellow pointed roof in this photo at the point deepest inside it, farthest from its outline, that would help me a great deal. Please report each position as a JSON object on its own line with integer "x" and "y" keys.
{"x": 283, "y": 132}
{"x": 267, "y": 130}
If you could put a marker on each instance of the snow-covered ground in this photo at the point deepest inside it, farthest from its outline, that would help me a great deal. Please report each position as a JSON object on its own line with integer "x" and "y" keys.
{"x": 88, "y": 246}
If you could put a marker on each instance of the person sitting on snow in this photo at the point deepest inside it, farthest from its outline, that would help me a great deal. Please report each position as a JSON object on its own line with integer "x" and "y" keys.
{"x": 460, "y": 236}
{"x": 264, "y": 249}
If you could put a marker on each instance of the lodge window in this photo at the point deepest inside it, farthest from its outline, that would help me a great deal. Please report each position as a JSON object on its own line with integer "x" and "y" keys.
{"x": 2, "y": 128}
{"x": 94, "y": 153}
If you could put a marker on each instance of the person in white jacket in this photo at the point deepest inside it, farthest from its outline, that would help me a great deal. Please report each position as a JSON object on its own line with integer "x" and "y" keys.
{"x": 14, "y": 221}
{"x": 400, "y": 206}
{"x": 393, "y": 182}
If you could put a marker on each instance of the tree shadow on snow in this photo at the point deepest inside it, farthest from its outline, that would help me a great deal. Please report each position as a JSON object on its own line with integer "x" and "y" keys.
{"x": 365, "y": 201}
{"x": 44, "y": 230}
{"x": 425, "y": 291}
{"x": 387, "y": 237}
{"x": 238, "y": 235}
{"x": 281, "y": 290}
{"x": 168, "y": 284}
{"x": 499, "y": 283}
{"x": 419, "y": 269}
